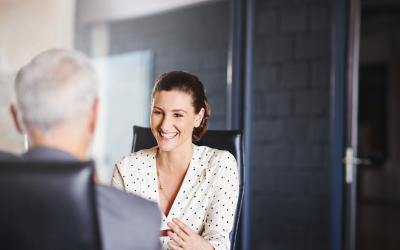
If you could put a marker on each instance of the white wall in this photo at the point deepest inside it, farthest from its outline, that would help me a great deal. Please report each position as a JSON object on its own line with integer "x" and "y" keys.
{"x": 28, "y": 27}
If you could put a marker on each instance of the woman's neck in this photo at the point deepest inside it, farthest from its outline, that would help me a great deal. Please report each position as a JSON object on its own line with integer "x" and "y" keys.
{"x": 175, "y": 160}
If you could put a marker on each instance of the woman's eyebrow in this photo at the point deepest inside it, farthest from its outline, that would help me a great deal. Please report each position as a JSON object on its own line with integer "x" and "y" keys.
{"x": 174, "y": 110}
{"x": 179, "y": 110}
{"x": 157, "y": 107}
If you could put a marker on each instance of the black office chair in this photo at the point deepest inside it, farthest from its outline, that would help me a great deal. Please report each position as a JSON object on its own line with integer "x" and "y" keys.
{"x": 48, "y": 206}
{"x": 230, "y": 140}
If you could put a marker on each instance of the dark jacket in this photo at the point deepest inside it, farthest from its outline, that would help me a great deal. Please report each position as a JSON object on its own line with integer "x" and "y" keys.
{"x": 126, "y": 220}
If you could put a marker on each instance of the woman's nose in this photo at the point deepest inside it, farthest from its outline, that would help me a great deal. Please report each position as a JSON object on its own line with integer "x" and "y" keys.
{"x": 166, "y": 123}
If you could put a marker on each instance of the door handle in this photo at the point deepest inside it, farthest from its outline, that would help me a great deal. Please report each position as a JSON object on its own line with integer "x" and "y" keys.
{"x": 363, "y": 161}
{"x": 350, "y": 162}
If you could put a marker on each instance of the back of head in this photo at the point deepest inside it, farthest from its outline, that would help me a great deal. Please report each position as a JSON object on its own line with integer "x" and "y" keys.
{"x": 55, "y": 87}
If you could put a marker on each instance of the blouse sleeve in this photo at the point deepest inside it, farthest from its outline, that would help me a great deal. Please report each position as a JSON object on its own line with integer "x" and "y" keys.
{"x": 117, "y": 181}
{"x": 221, "y": 212}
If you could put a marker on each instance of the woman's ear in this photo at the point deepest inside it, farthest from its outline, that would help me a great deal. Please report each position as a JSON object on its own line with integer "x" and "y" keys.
{"x": 199, "y": 118}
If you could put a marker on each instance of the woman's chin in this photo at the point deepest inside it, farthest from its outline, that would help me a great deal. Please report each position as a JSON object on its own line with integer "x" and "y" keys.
{"x": 166, "y": 145}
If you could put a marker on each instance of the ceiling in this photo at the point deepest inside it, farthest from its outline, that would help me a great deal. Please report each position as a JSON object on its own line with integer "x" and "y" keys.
{"x": 107, "y": 10}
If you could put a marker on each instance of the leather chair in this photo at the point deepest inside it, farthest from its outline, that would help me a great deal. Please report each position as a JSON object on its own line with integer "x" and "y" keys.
{"x": 47, "y": 206}
{"x": 230, "y": 140}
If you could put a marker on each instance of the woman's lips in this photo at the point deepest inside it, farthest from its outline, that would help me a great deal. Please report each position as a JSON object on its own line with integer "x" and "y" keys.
{"x": 168, "y": 135}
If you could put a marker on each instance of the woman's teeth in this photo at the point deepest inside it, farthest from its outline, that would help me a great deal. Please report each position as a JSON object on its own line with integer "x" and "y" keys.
{"x": 168, "y": 135}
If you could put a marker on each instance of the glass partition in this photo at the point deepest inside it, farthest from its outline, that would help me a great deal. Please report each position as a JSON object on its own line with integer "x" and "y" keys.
{"x": 125, "y": 86}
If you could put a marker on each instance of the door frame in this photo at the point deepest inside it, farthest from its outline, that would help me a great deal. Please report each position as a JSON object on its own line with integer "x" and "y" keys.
{"x": 344, "y": 118}
{"x": 239, "y": 99}
{"x": 351, "y": 156}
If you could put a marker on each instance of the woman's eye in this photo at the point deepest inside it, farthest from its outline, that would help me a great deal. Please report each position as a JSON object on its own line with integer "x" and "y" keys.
{"x": 156, "y": 112}
{"x": 178, "y": 115}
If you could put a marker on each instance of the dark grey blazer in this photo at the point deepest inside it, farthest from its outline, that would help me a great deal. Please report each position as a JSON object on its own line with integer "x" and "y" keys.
{"x": 7, "y": 156}
{"x": 126, "y": 220}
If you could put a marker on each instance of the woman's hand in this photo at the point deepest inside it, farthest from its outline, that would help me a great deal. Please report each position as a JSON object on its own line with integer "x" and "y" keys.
{"x": 184, "y": 238}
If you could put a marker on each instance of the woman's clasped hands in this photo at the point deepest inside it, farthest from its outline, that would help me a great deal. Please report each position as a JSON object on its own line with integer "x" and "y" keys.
{"x": 184, "y": 238}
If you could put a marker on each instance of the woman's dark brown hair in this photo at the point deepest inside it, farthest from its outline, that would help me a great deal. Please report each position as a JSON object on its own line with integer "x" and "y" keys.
{"x": 190, "y": 84}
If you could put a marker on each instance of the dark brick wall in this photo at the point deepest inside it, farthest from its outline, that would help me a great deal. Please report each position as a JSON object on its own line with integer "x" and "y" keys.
{"x": 291, "y": 125}
{"x": 291, "y": 103}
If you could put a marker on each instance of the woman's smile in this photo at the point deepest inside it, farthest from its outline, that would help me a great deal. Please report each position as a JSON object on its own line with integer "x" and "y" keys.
{"x": 168, "y": 135}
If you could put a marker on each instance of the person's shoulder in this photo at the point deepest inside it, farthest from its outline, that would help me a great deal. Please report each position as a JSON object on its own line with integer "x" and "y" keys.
{"x": 136, "y": 157}
{"x": 8, "y": 156}
{"x": 110, "y": 196}
{"x": 211, "y": 155}
{"x": 127, "y": 220}
{"x": 215, "y": 160}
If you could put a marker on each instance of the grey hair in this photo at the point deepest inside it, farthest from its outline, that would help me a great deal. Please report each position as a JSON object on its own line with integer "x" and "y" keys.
{"x": 56, "y": 86}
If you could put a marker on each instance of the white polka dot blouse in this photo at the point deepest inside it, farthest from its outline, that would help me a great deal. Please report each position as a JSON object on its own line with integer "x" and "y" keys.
{"x": 206, "y": 200}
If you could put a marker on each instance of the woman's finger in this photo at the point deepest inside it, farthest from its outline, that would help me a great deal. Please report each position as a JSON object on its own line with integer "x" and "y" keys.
{"x": 172, "y": 245}
{"x": 178, "y": 240}
{"x": 183, "y": 226}
{"x": 178, "y": 230}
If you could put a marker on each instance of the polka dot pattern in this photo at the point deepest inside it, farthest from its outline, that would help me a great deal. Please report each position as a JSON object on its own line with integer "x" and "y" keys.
{"x": 207, "y": 199}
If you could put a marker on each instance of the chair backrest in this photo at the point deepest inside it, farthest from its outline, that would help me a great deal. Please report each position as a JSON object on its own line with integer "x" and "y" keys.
{"x": 230, "y": 140}
{"x": 47, "y": 206}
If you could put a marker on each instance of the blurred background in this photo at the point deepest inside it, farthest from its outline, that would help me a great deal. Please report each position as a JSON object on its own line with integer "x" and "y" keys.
{"x": 278, "y": 69}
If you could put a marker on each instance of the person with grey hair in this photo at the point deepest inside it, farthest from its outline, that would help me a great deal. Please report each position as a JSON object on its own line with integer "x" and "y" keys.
{"x": 57, "y": 105}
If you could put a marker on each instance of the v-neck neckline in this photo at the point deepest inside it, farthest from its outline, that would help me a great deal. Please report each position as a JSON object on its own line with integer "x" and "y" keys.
{"x": 182, "y": 186}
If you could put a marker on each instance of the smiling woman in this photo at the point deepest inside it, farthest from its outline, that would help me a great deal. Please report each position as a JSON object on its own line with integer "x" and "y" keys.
{"x": 196, "y": 187}
{"x": 173, "y": 119}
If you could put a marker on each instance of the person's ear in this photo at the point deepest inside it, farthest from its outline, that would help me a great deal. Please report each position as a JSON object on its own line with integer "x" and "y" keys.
{"x": 17, "y": 123}
{"x": 199, "y": 118}
{"x": 93, "y": 116}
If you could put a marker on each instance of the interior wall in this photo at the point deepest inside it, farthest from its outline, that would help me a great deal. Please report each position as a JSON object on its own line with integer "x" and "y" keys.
{"x": 291, "y": 125}
{"x": 27, "y": 28}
